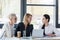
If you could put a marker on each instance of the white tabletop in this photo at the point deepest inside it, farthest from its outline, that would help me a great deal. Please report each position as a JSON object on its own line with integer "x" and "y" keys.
{"x": 14, "y": 38}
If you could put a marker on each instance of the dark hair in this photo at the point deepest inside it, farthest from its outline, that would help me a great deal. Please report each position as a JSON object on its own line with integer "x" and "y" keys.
{"x": 27, "y": 14}
{"x": 47, "y": 17}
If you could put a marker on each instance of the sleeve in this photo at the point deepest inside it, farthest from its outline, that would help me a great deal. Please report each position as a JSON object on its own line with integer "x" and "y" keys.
{"x": 17, "y": 29}
{"x": 4, "y": 29}
{"x": 5, "y": 26}
{"x": 57, "y": 33}
{"x": 31, "y": 29}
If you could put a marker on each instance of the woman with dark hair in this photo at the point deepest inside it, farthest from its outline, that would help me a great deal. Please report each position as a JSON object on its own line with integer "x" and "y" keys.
{"x": 49, "y": 30}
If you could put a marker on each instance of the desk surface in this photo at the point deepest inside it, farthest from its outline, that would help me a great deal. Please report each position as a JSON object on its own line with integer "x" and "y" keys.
{"x": 46, "y": 38}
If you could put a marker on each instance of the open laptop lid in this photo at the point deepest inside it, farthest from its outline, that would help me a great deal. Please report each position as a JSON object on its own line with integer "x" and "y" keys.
{"x": 37, "y": 33}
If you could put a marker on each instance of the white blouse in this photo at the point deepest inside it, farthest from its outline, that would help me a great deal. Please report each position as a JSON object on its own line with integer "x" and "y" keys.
{"x": 50, "y": 29}
{"x": 8, "y": 30}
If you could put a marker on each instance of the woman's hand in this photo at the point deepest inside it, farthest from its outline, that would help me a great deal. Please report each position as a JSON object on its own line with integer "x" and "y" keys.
{"x": 51, "y": 35}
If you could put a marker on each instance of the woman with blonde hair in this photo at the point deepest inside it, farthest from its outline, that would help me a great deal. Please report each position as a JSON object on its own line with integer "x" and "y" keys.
{"x": 9, "y": 27}
{"x": 25, "y": 26}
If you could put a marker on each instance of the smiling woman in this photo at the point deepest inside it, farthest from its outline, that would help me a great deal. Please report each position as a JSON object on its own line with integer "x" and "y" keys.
{"x": 7, "y": 7}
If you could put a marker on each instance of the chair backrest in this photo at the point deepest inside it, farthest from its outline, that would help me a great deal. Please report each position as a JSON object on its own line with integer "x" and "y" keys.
{"x": 1, "y": 25}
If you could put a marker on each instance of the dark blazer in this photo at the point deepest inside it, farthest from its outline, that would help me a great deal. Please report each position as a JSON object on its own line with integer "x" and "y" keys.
{"x": 21, "y": 27}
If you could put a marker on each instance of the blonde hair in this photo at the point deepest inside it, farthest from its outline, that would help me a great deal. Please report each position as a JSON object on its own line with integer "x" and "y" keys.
{"x": 12, "y": 15}
{"x": 26, "y": 16}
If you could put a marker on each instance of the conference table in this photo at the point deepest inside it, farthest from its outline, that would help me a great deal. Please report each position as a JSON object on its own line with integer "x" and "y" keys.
{"x": 30, "y": 38}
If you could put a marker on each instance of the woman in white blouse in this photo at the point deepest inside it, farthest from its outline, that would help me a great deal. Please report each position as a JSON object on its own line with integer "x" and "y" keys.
{"x": 9, "y": 27}
{"x": 49, "y": 30}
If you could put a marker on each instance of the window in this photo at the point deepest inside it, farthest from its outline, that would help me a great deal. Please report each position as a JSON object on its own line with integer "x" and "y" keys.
{"x": 41, "y": 2}
{"x": 40, "y": 7}
{"x": 0, "y": 8}
{"x": 59, "y": 13}
{"x": 38, "y": 11}
{"x": 7, "y": 7}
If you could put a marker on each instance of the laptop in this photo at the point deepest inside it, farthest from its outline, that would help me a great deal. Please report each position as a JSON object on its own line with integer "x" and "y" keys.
{"x": 37, "y": 33}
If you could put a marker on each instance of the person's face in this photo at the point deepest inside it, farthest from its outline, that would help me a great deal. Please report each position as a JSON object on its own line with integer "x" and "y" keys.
{"x": 29, "y": 19}
{"x": 14, "y": 19}
{"x": 44, "y": 20}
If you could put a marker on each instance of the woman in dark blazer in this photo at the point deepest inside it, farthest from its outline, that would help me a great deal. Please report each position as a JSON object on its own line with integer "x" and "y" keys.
{"x": 25, "y": 25}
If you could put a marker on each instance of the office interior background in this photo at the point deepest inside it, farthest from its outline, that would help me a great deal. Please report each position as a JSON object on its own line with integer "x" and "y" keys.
{"x": 35, "y": 7}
